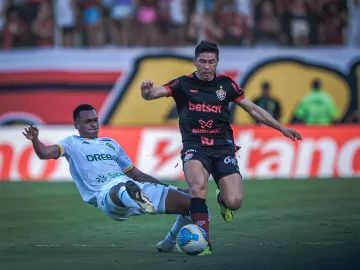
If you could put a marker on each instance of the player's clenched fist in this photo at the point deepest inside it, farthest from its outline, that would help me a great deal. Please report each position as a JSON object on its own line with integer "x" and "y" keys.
{"x": 147, "y": 85}
{"x": 31, "y": 132}
{"x": 149, "y": 91}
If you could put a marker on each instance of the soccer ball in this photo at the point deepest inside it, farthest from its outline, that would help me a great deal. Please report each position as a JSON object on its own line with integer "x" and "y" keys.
{"x": 192, "y": 240}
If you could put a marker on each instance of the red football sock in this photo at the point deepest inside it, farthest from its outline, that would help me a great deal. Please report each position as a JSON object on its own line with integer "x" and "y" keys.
{"x": 200, "y": 215}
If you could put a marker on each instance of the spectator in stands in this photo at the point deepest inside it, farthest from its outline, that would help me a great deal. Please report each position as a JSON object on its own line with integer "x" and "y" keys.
{"x": 233, "y": 23}
{"x": 93, "y": 20}
{"x": 212, "y": 31}
{"x": 178, "y": 13}
{"x": 317, "y": 107}
{"x": 147, "y": 17}
{"x": 334, "y": 21}
{"x": 3, "y": 7}
{"x": 268, "y": 103}
{"x": 314, "y": 19}
{"x": 96, "y": 23}
{"x": 14, "y": 33}
{"x": 244, "y": 7}
{"x": 354, "y": 23}
{"x": 28, "y": 11}
{"x": 267, "y": 30}
{"x": 299, "y": 23}
{"x": 65, "y": 20}
{"x": 43, "y": 26}
{"x": 121, "y": 21}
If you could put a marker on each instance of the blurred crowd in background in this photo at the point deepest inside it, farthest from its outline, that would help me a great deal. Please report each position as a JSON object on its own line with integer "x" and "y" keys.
{"x": 98, "y": 23}
{"x": 131, "y": 23}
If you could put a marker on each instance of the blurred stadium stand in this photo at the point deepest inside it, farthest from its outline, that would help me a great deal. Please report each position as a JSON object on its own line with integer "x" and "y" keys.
{"x": 60, "y": 53}
{"x": 98, "y": 23}
{"x": 168, "y": 23}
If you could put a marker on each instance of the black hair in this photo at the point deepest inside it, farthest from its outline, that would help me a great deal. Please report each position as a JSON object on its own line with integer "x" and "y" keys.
{"x": 265, "y": 85}
{"x": 80, "y": 108}
{"x": 316, "y": 84}
{"x": 206, "y": 46}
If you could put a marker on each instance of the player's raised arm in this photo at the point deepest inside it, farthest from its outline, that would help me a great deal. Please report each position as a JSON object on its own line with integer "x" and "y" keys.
{"x": 42, "y": 151}
{"x": 149, "y": 92}
{"x": 264, "y": 117}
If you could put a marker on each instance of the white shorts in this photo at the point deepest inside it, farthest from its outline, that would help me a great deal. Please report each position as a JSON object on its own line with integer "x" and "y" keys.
{"x": 156, "y": 193}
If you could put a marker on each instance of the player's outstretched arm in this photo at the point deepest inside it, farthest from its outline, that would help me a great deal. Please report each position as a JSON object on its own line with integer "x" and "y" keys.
{"x": 149, "y": 92}
{"x": 42, "y": 151}
{"x": 264, "y": 117}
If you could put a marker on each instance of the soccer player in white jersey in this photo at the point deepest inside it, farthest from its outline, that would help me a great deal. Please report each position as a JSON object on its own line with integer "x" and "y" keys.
{"x": 107, "y": 179}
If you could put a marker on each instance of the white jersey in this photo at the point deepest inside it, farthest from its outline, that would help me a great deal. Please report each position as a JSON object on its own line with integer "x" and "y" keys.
{"x": 94, "y": 163}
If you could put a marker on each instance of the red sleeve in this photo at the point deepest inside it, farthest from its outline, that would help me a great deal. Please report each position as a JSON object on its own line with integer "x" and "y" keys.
{"x": 239, "y": 99}
{"x": 239, "y": 92}
{"x": 172, "y": 86}
{"x": 168, "y": 89}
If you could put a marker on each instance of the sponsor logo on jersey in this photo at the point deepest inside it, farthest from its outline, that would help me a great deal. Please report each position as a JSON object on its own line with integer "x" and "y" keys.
{"x": 206, "y": 124}
{"x": 99, "y": 157}
{"x": 221, "y": 94}
{"x": 85, "y": 142}
{"x": 190, "y": 151}
{"x": 231, "y": 160}
{"x": 101, "y": 179}
{"x": 204, "y": 107}
{"x": 205, "y": 131}
{"x": 115, "y": 174}
{"x": 188, "y": 156}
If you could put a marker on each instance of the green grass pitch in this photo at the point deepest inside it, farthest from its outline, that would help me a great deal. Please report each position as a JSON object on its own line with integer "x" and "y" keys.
{"x": 283, "y": 224}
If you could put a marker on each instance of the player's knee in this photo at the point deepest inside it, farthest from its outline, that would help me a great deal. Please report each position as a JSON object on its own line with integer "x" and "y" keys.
{"x": 233, "y": 202}
{"x": 198, "y": 191}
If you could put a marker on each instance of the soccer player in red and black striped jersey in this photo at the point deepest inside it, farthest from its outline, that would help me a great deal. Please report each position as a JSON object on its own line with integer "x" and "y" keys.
{"x": 202, "y": 100}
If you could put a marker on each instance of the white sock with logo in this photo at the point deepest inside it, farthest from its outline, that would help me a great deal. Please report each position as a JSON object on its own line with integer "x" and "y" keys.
{"x": 180, "y": 222}
{"x": 126, "y": 200}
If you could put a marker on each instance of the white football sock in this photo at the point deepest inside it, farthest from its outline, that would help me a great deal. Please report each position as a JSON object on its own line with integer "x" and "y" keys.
{"x": 180, "y": 222}
{"x": 126, "y": 200}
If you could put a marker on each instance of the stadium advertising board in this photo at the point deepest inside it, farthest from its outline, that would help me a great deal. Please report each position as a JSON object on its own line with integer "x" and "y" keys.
{"x": 265, "y": 154}
{"x": 109, "y": 79}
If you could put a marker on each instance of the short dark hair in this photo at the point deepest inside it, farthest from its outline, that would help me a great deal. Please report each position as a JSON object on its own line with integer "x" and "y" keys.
{"x": 206, "y": 46}
{"x": 316, "y": 84}
{"x": 80, "y": 108}
{"x": 265, "y": 85}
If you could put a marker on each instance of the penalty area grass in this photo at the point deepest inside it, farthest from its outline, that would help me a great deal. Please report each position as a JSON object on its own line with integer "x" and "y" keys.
{"x": 283, "y": 224}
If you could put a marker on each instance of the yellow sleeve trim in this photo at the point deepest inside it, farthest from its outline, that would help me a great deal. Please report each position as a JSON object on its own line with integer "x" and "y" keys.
{"x": 61, "y": 149}
{"x": 129, "y": 169}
